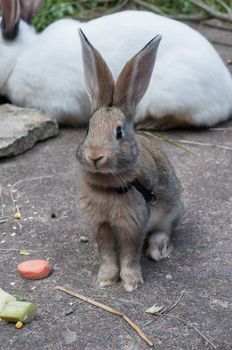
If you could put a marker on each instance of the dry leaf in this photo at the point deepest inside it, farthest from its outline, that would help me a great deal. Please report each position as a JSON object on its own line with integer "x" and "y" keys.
{"x": 154, "y": 309}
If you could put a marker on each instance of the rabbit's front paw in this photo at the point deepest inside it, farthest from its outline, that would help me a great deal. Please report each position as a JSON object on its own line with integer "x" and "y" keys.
{"x": 107, "y": 275}
{"x": 159, "y": 246}
{"x": 131, "y": 279}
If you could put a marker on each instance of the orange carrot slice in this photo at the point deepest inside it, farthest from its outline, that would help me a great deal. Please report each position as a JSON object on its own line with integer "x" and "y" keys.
{"x": 34, "y": 269}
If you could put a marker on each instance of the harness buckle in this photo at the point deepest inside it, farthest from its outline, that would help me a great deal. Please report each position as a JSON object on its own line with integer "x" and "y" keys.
{"x": 153, "y": 199}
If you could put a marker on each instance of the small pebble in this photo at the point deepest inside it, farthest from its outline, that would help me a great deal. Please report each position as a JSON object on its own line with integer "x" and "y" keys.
{"x": 229, "y": 61}
{"x": 84, "y": 239}
{"x": 9, "y": 185}
{"x": 30, "y": 218}
{"x": 33, "y": 288}
{"x": 14, "y": 228}
{"x": 2, "y": 242}
{"x": 35, "y": 213}
{"x": 169, "y": 277}
{"x": 13, "y": 234}
{"x": 70, "y": 304}
{"x": 12, "y": 283}
{"x": 3, "y": 233}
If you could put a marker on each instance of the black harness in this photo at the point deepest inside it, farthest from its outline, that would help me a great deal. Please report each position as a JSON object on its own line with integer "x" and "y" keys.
{"x": 147, "y": 194}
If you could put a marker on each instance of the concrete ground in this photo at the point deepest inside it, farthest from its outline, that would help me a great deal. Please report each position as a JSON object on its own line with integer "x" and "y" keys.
{"x": 43, "y": 181}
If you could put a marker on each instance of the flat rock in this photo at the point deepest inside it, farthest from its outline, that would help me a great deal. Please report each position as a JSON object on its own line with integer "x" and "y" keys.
{"x": 21, "y": 128}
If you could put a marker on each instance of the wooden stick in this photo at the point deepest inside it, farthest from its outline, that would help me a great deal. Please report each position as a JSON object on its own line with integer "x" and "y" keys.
{"x": 108, "y": 309}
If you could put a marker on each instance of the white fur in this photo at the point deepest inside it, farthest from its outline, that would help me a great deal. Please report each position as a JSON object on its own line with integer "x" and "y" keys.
{"x": 189, "y": 79}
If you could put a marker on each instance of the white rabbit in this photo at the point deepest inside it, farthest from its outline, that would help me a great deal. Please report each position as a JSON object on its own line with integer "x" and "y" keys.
{"x": 190, "y": 86}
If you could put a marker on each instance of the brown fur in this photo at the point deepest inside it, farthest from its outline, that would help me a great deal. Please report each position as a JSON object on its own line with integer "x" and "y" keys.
{"x": 122, "y": 221}
{"x": 127, "y": 218}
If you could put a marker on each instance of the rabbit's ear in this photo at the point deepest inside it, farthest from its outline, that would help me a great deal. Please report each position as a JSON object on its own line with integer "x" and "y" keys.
{"x": 98, "y": 77}
{"x": 10, "y": 18}
{"x": 135, "y": 77}
{"x": 29, "y": 9}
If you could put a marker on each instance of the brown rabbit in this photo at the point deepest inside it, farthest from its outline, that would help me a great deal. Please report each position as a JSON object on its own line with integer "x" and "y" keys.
{"x": 127, "y": 188}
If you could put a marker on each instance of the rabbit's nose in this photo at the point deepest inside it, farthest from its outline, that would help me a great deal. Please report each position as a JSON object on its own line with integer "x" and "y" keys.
{"x": 95, "y": 158}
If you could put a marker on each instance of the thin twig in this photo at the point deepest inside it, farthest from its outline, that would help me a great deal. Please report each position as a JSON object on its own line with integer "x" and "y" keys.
{"x": 219, "y": 27}
{"x": 221, "y": 129}
{"x": 121, "y": 300}
{"x": 165, "y": 312}
{"x": 166, "y": 139}
{"x": 192, "y": 326}
{"x": 192, "y": 18}
{"x": 1, "y": 192}
{"x": 150, "y": 7}
{"x": 18, "y": 250}
{"x": 224, "y": 6}
{"x": 216, "y": 14}
{"x": 25, "y": 180}
{"x": 216, "y": 42}
{"x": 87, "y": 14}
{"x": 108, "y": 309}
{"x": 15, "y": 206}
{"x": 1, "y": 196}
{"x": 173, "y": 304}
{"x": 9, "y": 250}
{"x": 118, "y": 7}
{"x": 180, "y": 17}
{"x": 189, "y": 142}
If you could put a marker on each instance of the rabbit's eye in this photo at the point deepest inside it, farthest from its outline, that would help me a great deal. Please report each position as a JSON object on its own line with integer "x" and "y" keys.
{"x": 119, "y": 133}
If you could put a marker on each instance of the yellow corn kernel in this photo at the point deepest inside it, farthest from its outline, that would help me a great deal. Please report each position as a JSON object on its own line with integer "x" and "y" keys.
{"x": 19, "y": 325}
{"x": 17, "y": 216}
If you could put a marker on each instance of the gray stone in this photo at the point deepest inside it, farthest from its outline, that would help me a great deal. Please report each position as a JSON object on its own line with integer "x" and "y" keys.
{"x": 21, "y": 128}
{"x": 70, "y": 337}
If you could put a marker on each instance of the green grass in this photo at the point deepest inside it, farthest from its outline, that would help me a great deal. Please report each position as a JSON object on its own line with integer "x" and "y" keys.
{"x": 87, "y": 9}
